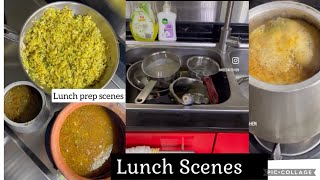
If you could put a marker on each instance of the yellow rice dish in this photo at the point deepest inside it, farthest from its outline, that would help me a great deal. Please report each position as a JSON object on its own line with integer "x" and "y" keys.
{"x": 63, "y": 50}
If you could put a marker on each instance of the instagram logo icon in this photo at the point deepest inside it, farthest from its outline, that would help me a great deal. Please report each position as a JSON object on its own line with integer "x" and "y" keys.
{"x": 235, "y": 60}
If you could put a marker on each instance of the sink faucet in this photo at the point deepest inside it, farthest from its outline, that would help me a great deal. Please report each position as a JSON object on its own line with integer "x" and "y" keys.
{"x": 225, "y": 38}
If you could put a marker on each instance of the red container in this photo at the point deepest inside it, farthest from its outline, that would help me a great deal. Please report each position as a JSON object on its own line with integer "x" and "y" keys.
{"x": 199, "y": 142}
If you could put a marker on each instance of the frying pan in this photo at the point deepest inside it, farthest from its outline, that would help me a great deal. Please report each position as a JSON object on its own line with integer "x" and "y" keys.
{"x": 162, "y": 68}
{"x": 78, "y": 9}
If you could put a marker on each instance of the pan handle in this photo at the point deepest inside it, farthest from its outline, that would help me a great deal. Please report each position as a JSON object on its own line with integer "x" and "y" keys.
{"x": 213, "y": 94}
{"x": 11, "y": 34}
{"x": 142, "y": 96}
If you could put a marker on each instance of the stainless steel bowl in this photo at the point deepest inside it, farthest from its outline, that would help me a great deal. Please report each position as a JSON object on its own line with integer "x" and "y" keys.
{"x": 36, "y": 123}
{"x": 284, "y": 113}
{"x": 192, "y": 87}
{"x": 201, "y": 66}
{"x": 106, "y": 30}
{"x": 161, "y": 65}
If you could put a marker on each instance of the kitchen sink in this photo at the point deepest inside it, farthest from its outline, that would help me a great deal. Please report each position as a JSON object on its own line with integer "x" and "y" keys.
{"x": 232, "y": 112}
{"x": 220, "y": 80}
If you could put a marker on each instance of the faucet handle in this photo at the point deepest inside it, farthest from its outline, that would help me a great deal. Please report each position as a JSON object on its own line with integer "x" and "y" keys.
{"x": 234, "y": 38}
{"x": 233, "y": 41}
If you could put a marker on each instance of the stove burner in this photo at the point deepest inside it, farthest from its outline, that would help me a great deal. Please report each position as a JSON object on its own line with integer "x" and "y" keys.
{"x": 304, "y": 150}
{"x": 291, "y": 149}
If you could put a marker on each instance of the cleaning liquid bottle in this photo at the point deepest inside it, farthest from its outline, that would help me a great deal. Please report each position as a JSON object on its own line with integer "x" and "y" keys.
{"x": 143, "y": 24}
{"x": 167, "y": 23}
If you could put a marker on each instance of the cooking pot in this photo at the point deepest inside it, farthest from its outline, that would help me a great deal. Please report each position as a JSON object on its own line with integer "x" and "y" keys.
{"x": 188, "y": 91}
{"x": 202, "y": 68}
{"x": 36, "y": 123}
{"x": 117, "y": 113}
{"x": 284, "y": 113}
{"x": 161, "y": 68}
{"x": 138, "y": 80}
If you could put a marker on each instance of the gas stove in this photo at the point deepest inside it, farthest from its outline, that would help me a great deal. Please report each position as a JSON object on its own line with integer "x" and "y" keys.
{"x": 309, "y": 149}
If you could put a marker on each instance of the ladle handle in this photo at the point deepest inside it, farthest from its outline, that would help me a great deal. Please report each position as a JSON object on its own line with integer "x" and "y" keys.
{"x": 11, "y": 34}
{"x": 142, "y": 96}
{"x": 213, "y": 94}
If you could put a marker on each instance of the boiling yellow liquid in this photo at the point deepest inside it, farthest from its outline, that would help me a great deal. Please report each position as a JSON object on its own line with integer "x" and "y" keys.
{"x": 284, "y": 51}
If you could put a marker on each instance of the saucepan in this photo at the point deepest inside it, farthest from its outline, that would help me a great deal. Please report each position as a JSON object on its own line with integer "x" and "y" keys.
{"x": 202, "y": 68}
{"x": 188, "y": 91}
{"x": 161, "y": 68}
{"x": 138, "y": 79}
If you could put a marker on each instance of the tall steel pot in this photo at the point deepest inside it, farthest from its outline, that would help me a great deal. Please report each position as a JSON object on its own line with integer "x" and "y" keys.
{"x": 284, "y": 113}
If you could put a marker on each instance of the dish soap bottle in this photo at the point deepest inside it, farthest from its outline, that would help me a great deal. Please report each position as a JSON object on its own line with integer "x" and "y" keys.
{"x": 143, "y": 24}
{"x": 167, "y": 23}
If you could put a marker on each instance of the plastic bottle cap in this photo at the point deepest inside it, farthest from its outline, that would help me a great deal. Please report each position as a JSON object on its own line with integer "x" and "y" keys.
{"x": 166, "y": 6}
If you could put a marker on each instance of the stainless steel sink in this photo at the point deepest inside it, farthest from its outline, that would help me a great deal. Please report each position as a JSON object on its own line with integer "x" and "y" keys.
{"x": 233, "y": 112}
{"x": 136, "y": 54}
